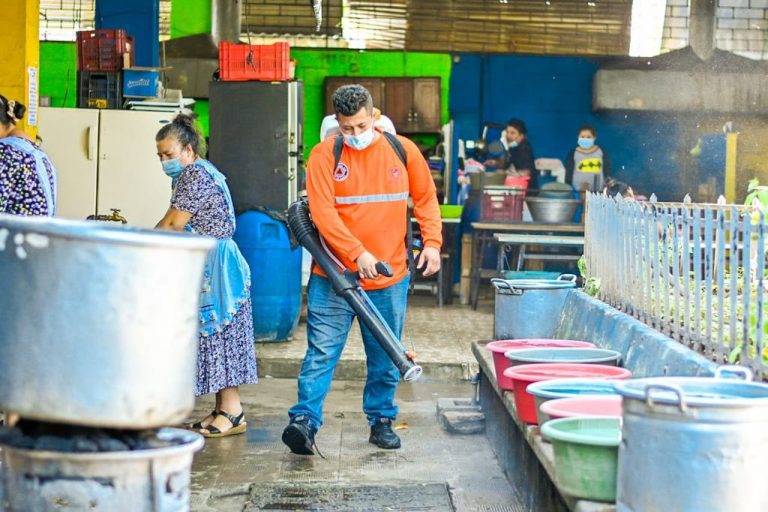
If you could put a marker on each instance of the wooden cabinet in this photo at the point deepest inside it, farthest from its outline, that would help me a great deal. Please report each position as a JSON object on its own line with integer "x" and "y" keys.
{"x": 413, "y": 104}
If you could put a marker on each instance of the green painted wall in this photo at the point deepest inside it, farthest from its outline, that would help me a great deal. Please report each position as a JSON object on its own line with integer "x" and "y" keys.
{"x": 313, "y": 65}
{"x": 58, "y": 73}
{"x": 190, "y": 17}
{"x": 58, "y": 76}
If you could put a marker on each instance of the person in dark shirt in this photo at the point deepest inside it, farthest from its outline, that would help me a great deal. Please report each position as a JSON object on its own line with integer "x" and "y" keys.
{"x": 518, "y": 160}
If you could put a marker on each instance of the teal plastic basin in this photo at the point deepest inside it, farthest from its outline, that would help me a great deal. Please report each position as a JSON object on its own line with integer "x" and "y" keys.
{"x": 586, "y": 455}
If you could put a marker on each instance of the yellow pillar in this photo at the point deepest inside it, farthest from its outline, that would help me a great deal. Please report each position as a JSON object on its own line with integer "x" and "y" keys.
{"x": 730, "y": 166}
{"x": 20, "y": 50}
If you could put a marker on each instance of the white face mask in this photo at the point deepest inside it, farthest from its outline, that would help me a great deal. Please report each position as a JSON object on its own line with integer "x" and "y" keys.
{"x": 360, "y": 142}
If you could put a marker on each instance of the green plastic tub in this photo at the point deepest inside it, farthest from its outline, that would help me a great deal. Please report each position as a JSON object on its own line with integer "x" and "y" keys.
{"x": 586, "y": 455}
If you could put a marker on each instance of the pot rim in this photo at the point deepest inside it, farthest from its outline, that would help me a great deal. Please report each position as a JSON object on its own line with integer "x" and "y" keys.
{"x": 101, "y": 232}
{"x": 602, "y": 387}
{"x": 695, "y": 391}
{"x": 192, "y": 441}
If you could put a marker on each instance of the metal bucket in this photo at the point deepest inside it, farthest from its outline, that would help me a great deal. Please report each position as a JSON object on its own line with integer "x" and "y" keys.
{"x": 99, "y": 322}
{"x": 529, "y": 308}
{"x": 153, "y": 480}
{"x": 693, "y": 444}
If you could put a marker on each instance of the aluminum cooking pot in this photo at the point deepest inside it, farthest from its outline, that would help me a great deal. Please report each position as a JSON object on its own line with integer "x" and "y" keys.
{"x": 693, "y": 444}
{"x": 529, "y": 308}
{"x": 99, "y": 322}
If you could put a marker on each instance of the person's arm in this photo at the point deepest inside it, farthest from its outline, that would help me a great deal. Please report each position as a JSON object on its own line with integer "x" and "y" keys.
{"x": 174, "y": 220}
{"x": 569, "y": 166}
{"x": 322, "y": 206}
{"x": 425, "y": 208}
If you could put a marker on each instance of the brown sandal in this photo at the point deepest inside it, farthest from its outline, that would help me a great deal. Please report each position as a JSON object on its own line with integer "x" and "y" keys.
{"x": 239, "y": 426}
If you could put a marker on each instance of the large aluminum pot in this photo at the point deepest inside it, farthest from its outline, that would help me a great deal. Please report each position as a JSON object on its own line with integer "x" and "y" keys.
{"x": 529, "y": 308}
{"x": 98, "y": 323}
{"x": 692, "y": 445}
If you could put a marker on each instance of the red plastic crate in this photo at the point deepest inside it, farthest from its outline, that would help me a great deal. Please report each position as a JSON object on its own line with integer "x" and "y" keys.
{"x": 503, "y": 203}
{"x": 263, "y": 62}
{"x": 102, "y": 50}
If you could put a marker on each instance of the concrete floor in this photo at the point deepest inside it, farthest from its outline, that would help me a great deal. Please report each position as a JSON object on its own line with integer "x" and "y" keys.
{"x": 433, "y": 470}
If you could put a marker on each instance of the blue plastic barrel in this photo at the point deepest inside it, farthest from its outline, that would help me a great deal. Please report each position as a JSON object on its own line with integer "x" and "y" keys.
{"x": 275, "y": 275}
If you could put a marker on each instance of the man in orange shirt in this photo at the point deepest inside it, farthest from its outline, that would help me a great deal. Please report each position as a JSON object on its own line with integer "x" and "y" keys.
{"x": 360, "y": 208}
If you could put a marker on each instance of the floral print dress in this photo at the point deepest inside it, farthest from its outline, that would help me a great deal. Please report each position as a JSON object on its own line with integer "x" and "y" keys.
{"x": 21, "y": 192}
{"x": 226, "y": 358}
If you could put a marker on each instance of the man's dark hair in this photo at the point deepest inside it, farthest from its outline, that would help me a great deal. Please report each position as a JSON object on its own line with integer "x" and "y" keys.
{"x": 518, "y": 125}
{"x": 349, "y": 99}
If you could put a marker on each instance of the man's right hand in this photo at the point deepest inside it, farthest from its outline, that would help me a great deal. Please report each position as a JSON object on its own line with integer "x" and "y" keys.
{"x": 366, "y": 266}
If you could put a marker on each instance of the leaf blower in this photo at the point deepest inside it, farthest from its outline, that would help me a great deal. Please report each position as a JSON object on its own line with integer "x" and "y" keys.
{"x": 347, "y": 284}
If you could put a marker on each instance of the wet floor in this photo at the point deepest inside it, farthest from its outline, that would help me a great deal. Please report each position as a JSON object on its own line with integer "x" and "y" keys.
{"x": 433, "y": 470}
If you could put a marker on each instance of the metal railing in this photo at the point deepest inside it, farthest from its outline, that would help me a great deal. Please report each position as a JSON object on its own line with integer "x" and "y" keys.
{"x": 695, "y": 272}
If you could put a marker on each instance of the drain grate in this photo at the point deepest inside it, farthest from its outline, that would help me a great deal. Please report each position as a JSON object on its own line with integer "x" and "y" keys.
{"x": 343, "y": 498}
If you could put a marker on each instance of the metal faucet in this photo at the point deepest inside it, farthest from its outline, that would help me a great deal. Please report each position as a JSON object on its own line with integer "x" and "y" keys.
{"x": 112, "y": 217}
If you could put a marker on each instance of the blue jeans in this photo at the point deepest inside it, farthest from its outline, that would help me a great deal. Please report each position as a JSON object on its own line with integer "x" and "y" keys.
{"x": 329, "y": 319}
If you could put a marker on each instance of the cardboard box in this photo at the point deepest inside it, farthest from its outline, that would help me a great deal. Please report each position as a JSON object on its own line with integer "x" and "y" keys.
{"x": 141, "y": 82}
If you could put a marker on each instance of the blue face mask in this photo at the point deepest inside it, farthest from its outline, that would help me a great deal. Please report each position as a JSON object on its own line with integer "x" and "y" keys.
{"x": 172, "y": 168}
{"x": 513, "y": 144}
{"x": 586, "y": 142}
{"x": 359, "y": 142}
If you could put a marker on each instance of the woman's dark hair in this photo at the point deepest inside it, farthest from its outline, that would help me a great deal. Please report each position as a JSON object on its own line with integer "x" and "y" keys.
{"x": 589, "y": 128}
{"x": 10, "y": 111}
{"x": 184, "y": 129}
{"x": 349, "y": 99}
{"x": 518, "y": 125}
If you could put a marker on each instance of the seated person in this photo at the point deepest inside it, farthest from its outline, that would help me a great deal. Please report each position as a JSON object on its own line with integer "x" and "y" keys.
{"x": 613, "y": 188}
{"x": 587, "y": 166}
{"x": 518, "y": 160}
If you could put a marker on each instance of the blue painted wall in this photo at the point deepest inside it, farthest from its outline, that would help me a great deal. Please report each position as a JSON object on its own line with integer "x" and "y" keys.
{"x": 553, "y": 95}
{"x": 140, "y": 19}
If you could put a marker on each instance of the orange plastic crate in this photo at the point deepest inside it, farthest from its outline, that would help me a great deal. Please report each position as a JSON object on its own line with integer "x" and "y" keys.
{"x": 264, "y": 62}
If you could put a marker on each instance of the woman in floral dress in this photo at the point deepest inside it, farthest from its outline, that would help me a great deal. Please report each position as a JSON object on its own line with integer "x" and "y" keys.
{"x": 27, "y": 176}
{"x": 201, "y": 203}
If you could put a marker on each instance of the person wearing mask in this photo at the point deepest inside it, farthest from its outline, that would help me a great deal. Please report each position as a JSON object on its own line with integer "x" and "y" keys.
{"x": 518, "y": 159}
{"x": 201, "y": 203}
{"x": 587, "y": 166}
{"x": 350, "y": 203}
{"x": 330, "y": 125}
{"x": 27, "y": 176}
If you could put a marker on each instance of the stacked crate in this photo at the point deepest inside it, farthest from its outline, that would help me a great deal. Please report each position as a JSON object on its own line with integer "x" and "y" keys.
{"x": 266, "y": 63}
{"x": 101, "y": 57}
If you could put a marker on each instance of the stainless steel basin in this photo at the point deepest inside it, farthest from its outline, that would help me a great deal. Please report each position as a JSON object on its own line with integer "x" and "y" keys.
{"x": 544, "y": 209}
{"x": 99, "y": 322}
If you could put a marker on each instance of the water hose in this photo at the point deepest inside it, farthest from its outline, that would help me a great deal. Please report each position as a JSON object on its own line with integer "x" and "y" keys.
{"x": 347, "y": 285}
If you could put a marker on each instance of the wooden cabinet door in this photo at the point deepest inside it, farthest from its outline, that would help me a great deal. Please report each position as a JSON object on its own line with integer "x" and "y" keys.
{"x": 398, "y": 103}
{"x": 374, "y": 86}
{"x": 426, "y": 104}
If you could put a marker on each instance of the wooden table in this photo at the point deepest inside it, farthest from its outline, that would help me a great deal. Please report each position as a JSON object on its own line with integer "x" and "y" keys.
{"x": 483, "y": 234}
{"x": 524, "y": 239}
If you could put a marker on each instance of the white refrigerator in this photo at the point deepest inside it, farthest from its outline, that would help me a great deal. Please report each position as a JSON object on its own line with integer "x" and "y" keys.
{"x": 106, "y": 159}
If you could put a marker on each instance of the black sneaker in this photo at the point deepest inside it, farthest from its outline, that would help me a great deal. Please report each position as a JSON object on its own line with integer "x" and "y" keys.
{"x": 383, "y": 436}
{"x": 299, "y": 436}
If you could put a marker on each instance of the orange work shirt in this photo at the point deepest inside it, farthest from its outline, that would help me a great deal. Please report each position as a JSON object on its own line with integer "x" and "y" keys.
{"x": 362, "y": 204}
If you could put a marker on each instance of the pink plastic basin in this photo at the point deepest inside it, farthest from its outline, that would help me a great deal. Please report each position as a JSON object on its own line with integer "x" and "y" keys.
{"x": 501, "y": 363}
{"x": 526, "y": 374}
{"x": 583, "y": 406}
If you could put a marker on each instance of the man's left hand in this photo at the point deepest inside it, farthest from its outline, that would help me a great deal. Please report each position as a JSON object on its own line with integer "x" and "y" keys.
{"x": 429, "y": 260}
